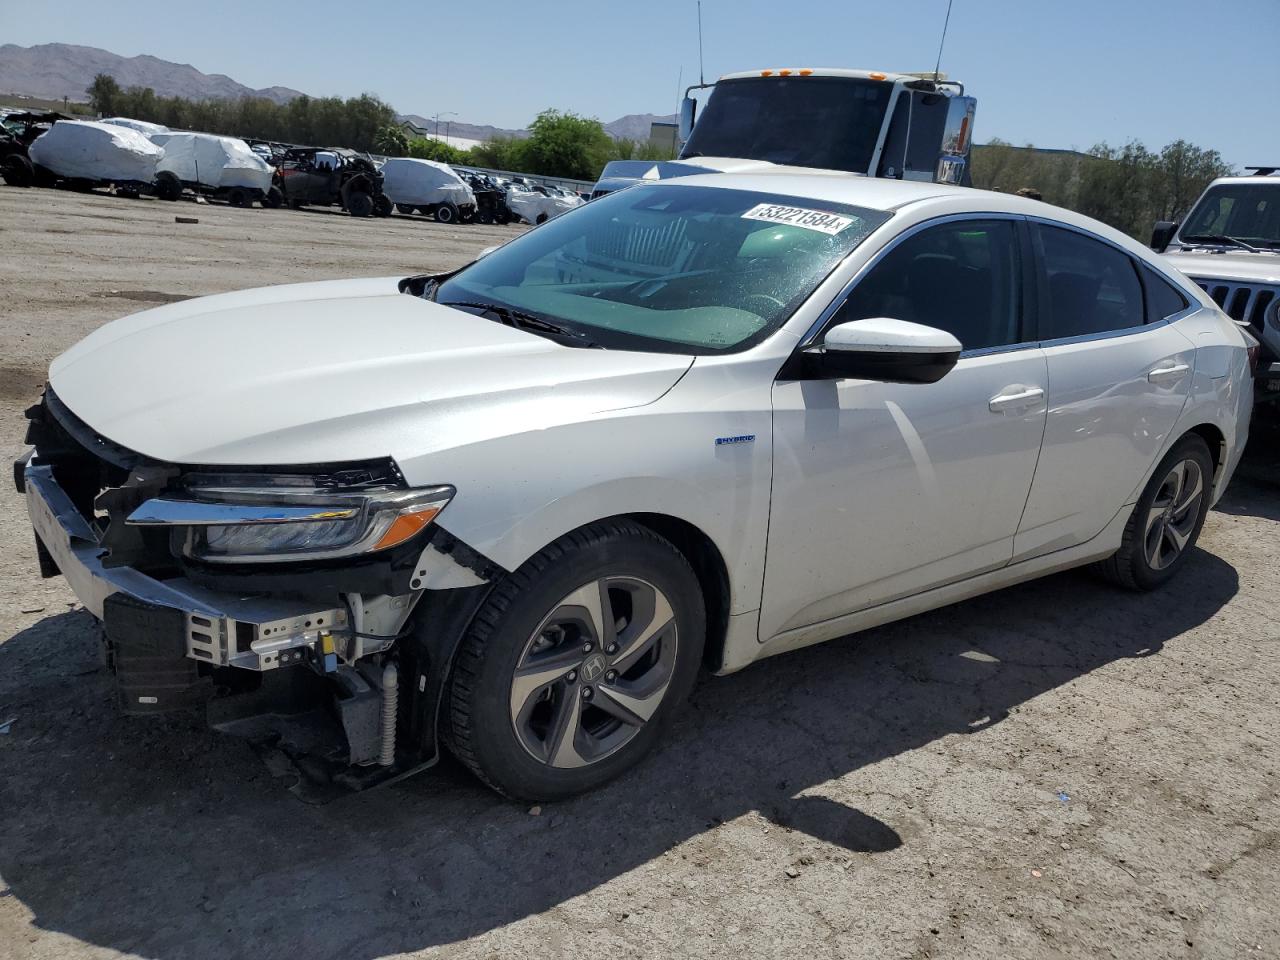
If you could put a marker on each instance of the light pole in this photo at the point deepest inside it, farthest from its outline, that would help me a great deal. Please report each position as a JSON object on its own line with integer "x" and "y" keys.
{"x": 446, "y": 113}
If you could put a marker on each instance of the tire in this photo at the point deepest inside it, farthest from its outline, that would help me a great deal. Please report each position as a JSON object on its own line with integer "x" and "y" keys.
{"x": 17, "y": 171}
{"x": 542, "y": 218}
{"x": 273, "y": 198}
{"x": 238, "y": 198}
{"x": 382, "y": 205}
{"x": 359, "y": 203}
{"x": 447, "y": 213}
{"x": 405, "y": 208}
{"x": 1166, "y": 520}
{"x": 167, "y": 185}
{"x": 485, "y": 216}
{"x": 507, "y": 737}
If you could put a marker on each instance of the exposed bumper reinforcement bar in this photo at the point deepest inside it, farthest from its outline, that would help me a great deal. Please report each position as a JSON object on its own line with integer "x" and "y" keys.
{"x": 254, "y": 633}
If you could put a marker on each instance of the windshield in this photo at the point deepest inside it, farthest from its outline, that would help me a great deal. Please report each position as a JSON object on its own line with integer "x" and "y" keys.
{"x": 1243, "y": 211}
{"x": 828, "y": 122}
{"x": 668, "y": 267}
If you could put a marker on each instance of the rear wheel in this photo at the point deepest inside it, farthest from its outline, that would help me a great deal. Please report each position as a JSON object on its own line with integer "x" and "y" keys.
{"x": 1167, "y": 519}
{"x": 447, "y": 213}
{"x": 359, "y": 203}
{"x": 273, "y": 198}
{"x": 542, "y": 218}
{"x": 238, "y": 197}
{"x": 167, "y": 185}
{"x": 382, "y": 205}
{"x": 17, "y": 171}
{"x": 576, "y": 663}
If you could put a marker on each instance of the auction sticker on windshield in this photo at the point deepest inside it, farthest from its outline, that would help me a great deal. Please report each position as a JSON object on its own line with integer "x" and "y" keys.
{"x": 820, "y": 220}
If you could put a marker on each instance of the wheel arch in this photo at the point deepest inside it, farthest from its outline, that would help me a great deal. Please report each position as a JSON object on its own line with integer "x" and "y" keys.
{"x": 709, "y": 567}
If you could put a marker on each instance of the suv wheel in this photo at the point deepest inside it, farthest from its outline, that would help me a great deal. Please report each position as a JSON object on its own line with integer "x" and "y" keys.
{"x": 273, "y": 198}
{"x": 447, "y": 213}
{"x": 1167, "y": 519}
{"x": 359, "y": 203}
{"x": 17, "y": 171}
{"x": 576, "y": 663}
{"x": 382, "y": 205}
{"x": 167, "y": 185}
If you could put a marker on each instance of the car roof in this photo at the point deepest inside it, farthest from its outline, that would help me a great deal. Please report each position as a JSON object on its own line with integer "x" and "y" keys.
{"x": 924, "y": 199}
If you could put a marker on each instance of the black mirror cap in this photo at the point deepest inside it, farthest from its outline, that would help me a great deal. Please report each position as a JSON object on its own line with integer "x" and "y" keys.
{"x": 1162, "y": 235}
{"x": 816, "y": 363}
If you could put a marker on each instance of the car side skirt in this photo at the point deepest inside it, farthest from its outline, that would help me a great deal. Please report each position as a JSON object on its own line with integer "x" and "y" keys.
{"x": 1101, "y": 546}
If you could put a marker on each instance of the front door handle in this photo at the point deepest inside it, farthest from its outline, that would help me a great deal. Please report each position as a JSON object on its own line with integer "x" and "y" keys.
{"x": 1015, "y": 398}
{"x": 1168, "y": 372}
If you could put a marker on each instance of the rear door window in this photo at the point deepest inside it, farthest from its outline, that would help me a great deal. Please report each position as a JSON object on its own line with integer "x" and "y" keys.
{"x": 1089, "y": 287}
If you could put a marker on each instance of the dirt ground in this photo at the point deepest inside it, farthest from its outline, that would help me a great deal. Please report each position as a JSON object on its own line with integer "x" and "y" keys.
{"x": 1058, "y": 770}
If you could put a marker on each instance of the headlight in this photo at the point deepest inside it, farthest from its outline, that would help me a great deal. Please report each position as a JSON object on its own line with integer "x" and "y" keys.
{"x": 232, "y": 524}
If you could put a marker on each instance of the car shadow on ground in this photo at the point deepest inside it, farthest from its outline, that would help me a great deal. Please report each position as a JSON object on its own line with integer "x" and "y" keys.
{"x": 164, "y": 840}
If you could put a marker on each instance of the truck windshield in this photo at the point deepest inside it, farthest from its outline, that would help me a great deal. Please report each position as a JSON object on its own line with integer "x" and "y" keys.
{"x": 1243, "y": 211}
{"x": 827, "y": 122}
{"x": 668, "y": 268}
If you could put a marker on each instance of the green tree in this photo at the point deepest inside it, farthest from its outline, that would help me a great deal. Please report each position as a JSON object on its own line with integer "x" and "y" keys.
{"x": 566, "y": 145}
{"x": 501, "y": 153}
{"x": 428, "y": 148}
{"x": 391, "y": 141}
{"x": 103, "y": 93}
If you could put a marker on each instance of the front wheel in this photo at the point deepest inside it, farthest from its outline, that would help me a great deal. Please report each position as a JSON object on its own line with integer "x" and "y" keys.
{"x": 359, "y": 203}
{"x": 447, "y": 213}
{"x": 17, "y": 171}
{"x": 273, "y": 198}
{"x": 576, "y": 663}
{"x": 382, "y": 205}
{"x": 1167, "y": 519}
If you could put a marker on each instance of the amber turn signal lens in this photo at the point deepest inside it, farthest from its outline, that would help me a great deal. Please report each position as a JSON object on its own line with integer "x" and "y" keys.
{"x": 405, "y": 526}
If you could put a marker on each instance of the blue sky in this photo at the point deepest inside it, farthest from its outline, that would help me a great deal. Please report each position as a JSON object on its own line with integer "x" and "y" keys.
{"x": 1056, "y": 73}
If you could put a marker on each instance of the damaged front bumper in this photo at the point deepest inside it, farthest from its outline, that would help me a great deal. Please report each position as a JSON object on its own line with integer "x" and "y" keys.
{"x": 220, "y": 629}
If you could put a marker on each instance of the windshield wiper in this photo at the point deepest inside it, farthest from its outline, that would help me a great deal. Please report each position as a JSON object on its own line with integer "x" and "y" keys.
{"x": 1222, "y": 239}
{"x": 524, "y": 321}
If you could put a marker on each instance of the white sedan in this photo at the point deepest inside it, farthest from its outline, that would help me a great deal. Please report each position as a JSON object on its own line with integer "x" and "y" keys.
{"x": 696, "y": 423}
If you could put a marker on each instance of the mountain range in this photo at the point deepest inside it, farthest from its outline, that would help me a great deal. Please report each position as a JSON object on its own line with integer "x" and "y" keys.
{"x": 52, "y": 71}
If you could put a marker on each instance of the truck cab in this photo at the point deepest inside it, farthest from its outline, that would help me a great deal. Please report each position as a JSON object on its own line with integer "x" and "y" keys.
{"x": 895, "y": 125}
{"x": 1229, "y": 244}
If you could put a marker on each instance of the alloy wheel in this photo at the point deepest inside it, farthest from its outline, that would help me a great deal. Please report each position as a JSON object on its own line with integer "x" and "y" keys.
{"x": 594, "y": 672}
{"x": 1172, "y": 516}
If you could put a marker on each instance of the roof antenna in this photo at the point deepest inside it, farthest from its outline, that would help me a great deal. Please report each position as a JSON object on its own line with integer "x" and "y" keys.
{"x": 701, "y": 77}
{"x": 945, "y": 23}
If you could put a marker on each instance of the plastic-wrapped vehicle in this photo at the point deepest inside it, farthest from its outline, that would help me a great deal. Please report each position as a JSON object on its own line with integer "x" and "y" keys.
{"x": 221, "y": 167}
{"x": 19, "y": 131}
{"x": 144, "y": 127}
{"x": 87, "y": 153}
{"x": 328, "y": 176}
{"x": 431, "y": 188}
{"x": 538, "y": 204}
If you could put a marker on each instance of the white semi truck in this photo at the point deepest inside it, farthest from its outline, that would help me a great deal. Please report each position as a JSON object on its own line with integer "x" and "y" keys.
{"x": 901, "y": 126}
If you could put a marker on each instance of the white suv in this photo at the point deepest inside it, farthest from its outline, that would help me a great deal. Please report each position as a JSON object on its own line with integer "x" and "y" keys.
{"x": 694, "y": 423}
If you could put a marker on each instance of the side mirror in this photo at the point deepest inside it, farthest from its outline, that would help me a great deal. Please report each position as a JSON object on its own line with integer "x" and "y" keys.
{"x": 1162, "y": 235}
{"x": 688, "y": 108}
{"x": 884, "y": 349}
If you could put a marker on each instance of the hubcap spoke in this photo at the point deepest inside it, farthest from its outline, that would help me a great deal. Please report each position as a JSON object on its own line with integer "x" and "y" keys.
{"x": 638, "y": 638}
{"x": 629, "y": 709}
{"x": 1191, "y": 492}
{"x": 538, "y": 673}
{"x": 594, "y": 598}
{"x": 562, "y": 748}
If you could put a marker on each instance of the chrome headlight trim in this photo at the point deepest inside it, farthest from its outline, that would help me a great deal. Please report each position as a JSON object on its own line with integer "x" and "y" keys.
{"x": 268, "y": 524}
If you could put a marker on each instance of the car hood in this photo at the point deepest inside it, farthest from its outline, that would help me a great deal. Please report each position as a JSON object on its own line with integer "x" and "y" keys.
{"x": 334, "y": 371}
{"x": 1240, "y": 266}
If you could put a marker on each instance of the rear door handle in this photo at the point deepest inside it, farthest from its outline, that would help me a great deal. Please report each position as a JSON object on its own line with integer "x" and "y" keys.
{"x": 1015, "y": 398}
{"x": 1168, "y": 372}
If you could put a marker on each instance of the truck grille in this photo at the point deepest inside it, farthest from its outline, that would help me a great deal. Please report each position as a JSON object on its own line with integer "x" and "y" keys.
{"x": 1251, "y": 303}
